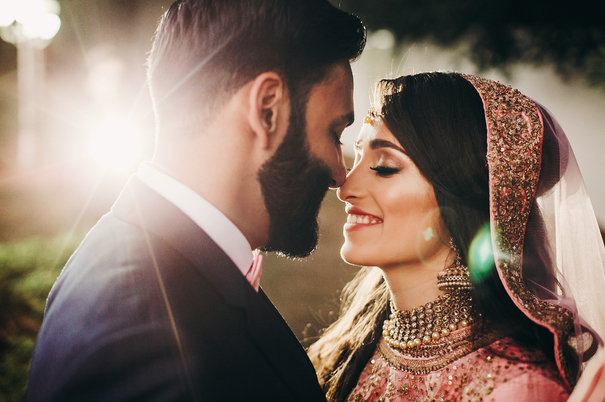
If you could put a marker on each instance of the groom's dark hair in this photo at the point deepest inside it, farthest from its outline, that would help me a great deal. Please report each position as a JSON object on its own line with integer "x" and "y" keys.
{"x": 205, "y": 50}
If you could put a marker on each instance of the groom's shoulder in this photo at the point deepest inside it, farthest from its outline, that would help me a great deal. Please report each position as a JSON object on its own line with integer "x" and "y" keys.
{"x": 115, "y": 263}
{"x": 106, "y": 270}
{"x": 110, "y": 280}
{"x": 109, "y": 247}
{"x": 106, "y": 305}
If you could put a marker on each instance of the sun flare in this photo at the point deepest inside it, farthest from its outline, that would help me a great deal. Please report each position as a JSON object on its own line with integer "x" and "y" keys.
{"x": 116, "y": 143}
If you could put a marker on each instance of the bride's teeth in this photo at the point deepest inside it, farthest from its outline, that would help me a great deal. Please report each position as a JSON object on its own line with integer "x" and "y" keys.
{"x": 361, "y": 219}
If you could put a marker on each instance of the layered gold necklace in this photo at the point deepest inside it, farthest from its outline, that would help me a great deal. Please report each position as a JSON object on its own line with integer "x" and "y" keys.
{"x": 432, "y": 336}
{"x": 408, "y": 330}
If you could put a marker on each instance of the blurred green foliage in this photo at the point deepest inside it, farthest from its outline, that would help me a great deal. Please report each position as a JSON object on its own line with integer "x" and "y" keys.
{"x": 28, "y": 270}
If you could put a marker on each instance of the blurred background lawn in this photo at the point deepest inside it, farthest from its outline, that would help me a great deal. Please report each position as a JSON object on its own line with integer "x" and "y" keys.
{"x": 64, "y": 102}
{"x": 28, "y": 270}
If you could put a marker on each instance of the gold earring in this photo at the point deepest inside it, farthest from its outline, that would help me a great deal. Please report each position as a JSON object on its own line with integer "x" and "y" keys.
{"x": 456, "y": 276}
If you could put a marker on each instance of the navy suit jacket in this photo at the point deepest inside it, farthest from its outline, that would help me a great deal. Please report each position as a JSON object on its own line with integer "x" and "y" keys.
{"x": 149, "y": 308}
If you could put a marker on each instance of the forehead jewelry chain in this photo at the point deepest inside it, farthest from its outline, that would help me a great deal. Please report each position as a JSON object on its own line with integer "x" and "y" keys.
{"x": 431, "y": 322}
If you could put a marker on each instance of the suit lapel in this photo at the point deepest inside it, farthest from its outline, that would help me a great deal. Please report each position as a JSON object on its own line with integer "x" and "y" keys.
{"x": 272, "y": 335}
{"x": 143, "y": 207}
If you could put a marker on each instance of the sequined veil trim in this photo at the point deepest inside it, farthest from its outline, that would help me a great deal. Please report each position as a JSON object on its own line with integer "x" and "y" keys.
{"x": 514, "y": 149}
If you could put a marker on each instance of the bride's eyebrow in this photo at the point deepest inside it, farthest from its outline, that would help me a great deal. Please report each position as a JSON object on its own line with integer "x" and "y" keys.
{"x": 377, "y": 143}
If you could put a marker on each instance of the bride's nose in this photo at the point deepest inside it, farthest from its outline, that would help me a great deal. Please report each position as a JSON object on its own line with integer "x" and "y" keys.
{"x": 348, "y": 189}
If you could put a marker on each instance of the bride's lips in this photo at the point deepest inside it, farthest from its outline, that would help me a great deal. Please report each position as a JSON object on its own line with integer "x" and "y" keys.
{"x": 358, "y": 219}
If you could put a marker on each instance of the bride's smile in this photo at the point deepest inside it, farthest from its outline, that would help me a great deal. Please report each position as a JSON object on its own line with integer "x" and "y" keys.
{"x": 357, "y": 218}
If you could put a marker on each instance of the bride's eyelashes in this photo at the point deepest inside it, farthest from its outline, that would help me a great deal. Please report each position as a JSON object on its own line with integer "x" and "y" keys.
{"x": 384, "y": 171}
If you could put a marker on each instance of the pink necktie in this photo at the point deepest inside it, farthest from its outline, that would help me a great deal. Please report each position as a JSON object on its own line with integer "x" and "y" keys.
{"x": 253, "y": 275}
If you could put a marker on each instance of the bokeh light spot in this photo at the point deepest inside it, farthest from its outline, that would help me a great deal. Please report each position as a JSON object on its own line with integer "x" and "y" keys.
{"x": 43, "y": 26}
{"x": 35, "y": 20}
{"x": 481, "y": 255}
{"x": 382, "y": 39}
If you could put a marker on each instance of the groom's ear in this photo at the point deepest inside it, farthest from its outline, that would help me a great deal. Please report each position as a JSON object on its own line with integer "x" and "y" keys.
{"x": 269, "y": 109}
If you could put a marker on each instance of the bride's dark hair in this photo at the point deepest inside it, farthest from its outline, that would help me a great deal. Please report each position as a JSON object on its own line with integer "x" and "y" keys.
{"x": 439, "y": 120}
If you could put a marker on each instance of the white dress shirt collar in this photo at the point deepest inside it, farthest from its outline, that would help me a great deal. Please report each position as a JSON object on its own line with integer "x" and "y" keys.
{"x": 218, "y": 227}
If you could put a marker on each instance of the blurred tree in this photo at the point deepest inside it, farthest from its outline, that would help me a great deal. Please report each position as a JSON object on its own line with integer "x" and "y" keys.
{"x": 570, "y": 36}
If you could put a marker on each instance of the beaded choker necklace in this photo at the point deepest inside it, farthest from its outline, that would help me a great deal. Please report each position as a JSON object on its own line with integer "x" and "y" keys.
{"x": 426, "y": 325}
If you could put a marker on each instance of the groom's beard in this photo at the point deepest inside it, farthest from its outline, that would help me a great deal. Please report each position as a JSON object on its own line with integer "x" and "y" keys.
{"x": 294, "y": 184}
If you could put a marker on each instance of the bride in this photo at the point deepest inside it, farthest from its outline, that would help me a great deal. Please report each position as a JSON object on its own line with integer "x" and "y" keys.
{"x": 461, "y": 207}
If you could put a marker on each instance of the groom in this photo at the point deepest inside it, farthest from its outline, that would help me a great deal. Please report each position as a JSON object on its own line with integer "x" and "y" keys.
{"x": 159, "y": 302}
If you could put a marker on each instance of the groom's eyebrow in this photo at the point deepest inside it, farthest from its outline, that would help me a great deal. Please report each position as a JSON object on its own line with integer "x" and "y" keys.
{"x": 376, "y": 143}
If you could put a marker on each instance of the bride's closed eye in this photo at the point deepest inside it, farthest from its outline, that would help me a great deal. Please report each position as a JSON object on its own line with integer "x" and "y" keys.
{"x": 384, "y": 171}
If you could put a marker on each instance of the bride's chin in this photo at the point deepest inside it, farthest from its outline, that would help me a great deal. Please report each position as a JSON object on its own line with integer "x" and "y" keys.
{"x": 350, "y": 255}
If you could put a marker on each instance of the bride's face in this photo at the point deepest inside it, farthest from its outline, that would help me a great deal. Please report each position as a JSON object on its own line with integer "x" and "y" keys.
{"x": 393, "y": 217}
